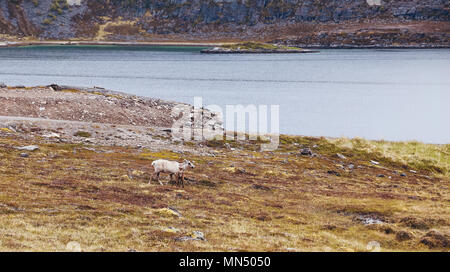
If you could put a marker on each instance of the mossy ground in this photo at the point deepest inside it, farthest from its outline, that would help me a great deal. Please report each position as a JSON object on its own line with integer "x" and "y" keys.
{"x": 242, "y": 200}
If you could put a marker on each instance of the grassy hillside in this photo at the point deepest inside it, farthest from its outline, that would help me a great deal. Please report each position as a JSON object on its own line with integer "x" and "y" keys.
{"x": 237, "y": 200}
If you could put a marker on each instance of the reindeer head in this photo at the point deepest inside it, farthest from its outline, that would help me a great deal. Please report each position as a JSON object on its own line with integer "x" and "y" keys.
{"x": 189, "y": 164}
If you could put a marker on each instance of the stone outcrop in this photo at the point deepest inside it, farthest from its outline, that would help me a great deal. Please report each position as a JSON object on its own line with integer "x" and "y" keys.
{"x": 144, "y": 19}
{"x": 369, "y": 38}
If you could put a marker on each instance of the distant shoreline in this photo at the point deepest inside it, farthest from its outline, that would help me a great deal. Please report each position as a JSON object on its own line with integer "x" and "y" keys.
{"x": 115, "y": 43}
{"x": 202, "y": 44}
{"x": 377, "y": 47}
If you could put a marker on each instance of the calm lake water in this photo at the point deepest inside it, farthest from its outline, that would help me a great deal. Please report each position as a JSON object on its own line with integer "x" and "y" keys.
{"x": 375, "y": 94}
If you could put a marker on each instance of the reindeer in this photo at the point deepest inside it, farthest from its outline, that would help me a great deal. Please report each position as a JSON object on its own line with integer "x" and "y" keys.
{"x": 171, "y": 167}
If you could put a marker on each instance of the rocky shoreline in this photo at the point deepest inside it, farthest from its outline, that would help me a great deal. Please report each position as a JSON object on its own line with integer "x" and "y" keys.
{"x": 218, "y": 50}
{"x": 306, "y": 47}
{"x": 109, "y": 43}
{"x": 346, "y": 46}
{"x": 95, "y": 116}
{"x": 381, "y": 35}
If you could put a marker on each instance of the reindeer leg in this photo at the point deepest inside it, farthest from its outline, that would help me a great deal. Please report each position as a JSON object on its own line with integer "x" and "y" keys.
{"x": 151, "y": 178}
{"x": 182, "y": 179}
{"x": 171, "y": 179}
{"x": 157, "y": 178}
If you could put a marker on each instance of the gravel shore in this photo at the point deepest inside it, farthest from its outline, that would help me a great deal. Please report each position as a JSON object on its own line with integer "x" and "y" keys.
{"x": 90, "y": 115}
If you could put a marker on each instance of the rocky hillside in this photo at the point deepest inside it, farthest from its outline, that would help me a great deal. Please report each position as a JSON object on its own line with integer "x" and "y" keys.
{"x": 211, "y": 19}
{"x": 70, "y": 184}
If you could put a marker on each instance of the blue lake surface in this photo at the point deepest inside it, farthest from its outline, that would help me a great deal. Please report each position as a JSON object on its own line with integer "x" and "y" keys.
{"x": 375, "y": 94}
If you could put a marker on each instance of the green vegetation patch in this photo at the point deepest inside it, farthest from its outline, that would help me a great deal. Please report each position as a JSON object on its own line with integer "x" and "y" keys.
{"x": 258, "y": 46}
{"x": 83, "y": 134}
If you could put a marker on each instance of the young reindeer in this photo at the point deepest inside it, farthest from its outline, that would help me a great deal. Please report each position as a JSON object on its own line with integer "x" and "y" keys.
{"x": 172, "y": 168}
{"x": 180, "y": 176}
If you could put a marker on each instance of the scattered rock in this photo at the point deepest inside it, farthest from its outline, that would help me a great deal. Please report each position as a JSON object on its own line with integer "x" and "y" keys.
{"x": 332, "y": 172}
{"x": 351, "y": 166}
{"x": 28, "y": 148}
{"x": 2, "y": 85}
{"x": 175, "y": 211}
{"x": 24, "y": 155}
{"x": 369, "y": 219}
{"x": 402, "y": 175}
{"x": 195, "y": 235}
{"x": 403, "y": 236}
{"x": 380, "y": 176}
{"x": 15, "y": 128}
{"x": 89, "y": 140}
{"x": 412, "y": 171}
{"x": 55, "y": 87}
{"x": 341, "y": 156}
{"x": 242, "y": 171}
{"x": 375, "y": 162}
{"x": 306, "y": 152}
{"x": 51, "y": 135}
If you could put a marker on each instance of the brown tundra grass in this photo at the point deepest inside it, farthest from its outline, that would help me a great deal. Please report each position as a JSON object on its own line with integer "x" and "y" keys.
{"x": 242, "y": 200}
